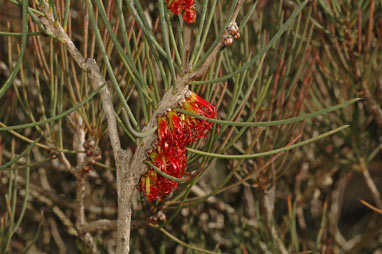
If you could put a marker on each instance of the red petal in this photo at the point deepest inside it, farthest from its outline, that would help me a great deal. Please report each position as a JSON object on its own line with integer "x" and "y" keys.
{"x": 189, "y": 15}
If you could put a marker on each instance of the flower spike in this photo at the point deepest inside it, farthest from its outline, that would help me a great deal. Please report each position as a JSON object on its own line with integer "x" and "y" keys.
{"x": 175, "y": 132}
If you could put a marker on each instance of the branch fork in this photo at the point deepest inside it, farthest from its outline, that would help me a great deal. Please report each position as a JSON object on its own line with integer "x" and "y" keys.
{"x": 129, "y": 167}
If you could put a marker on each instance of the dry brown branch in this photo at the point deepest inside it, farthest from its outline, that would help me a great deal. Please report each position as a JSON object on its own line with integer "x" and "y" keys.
{"x": 80, "y": 215}
{"x": 120, "y": 156}
{"x": 103, "y": 224}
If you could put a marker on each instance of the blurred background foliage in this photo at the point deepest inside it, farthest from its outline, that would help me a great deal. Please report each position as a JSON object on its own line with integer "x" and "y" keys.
{"x": 304, "y": 200}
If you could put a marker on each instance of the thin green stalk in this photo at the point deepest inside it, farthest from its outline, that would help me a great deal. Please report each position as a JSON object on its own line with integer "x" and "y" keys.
{"x": 259, "y": 102}
{"x": 128, "y": 133}
{"x": 142, "y": 92}
{"x": 24, "y": 104}
{"x": 251, "y": 85}
{"x": 233, "y": 100}
{"x": 145, "y": 28}
{"x": 273, "y": 123}
{"x": 126, "y": 59}
{"x": 59, "y": 116}
{"x": 24, "y": 37}
{"x": 123, "y": 27}
{"x": 322, "y": 226}
{"x": 53, "y": 82}
{"x": 248, "y": 15}
{"x": 274, "y": 39}
{"x": 131, "y": 129}
{"x": 172, "y": 39}
{"x": 219, "y": 36}
{"x": 18, "y": 34}
{"x": 40, "y": 99}
{"x": 292, "y": 224}
{"x": 24, "y": 206}
{"x": 196, "y": 53}
{"x": 30, "y": 9}
{"x": 172, "y": 178}
{"x": 34, "y": 239}
{"x": 60, "y": 107}
{"x": 52, "y": 7}
{"x": 9, "y": 163}
{"x": 153, "y": 89}
{"x": 30, "y": 164}
{"x": 174, "y": 238}
{"x": 200, "y": 29}
{"x": 180, "y": 33}
{"x": 165, "y": 36}
{"x": 219, "y": 189}
{"x": 13, "y": 210}
{"x": 179, "y": 207}
{"x": 66, "y": 14}
{"x": 152, "y": 72}
{"x": 271, "y": 152}
{"x": 108, "y": 65}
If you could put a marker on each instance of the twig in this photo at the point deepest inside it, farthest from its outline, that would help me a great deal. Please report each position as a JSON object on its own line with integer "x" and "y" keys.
{"x": 204, "y": 66}
{"x": 373, "y": 106}
{"x": 335, "y": 210}
{"x": 370, "y": 184}
{"x": 279, "y": 242}
{"x": 127, "y": 179}
{"x": 103, "y": 224}
{"x": 120, "y": 156}
{"x": 110, "y": 225}
{"x": 80, "y": 215}
{"x": 56, "y": 236}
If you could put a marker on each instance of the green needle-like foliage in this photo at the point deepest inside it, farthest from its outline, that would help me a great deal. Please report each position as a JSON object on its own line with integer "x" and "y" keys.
{"x": 298, "y": 100}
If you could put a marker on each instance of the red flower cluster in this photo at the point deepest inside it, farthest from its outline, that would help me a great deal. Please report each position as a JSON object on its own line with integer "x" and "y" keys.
{"x": 175, "y": 132}
{"x": 185, "y": 6}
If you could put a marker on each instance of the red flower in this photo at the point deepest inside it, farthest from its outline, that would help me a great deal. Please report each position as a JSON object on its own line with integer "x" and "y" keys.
{"x": 179, "y": 128}
{"x": 189, "y": 14}
{"x": 197, "y": 105}
{"x": 174, "y": 5}
{"x": 155, "y": 186}
{"x": 186, "y": 4}
{"x": 175, "y": 132}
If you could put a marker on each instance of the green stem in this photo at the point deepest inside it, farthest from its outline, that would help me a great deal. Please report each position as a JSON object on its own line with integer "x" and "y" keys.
{"x": 59, "y": 116}
{"x": 24, "y": 206}
{"x": 197, "y": 52}
{"x": 9, "y": 163}
{"x": 271, "y": 152}
{"x": 163, "y": 173}
{"x": 18, "y": 34}
{"x": 172, "y": 237}
{"x": 274, "y": 39}
{"x": 137, "y": 134}
{"x": 165, "y": 36}
{"x": 272, "y": 123}
{"x": 105, "y": 58}
{"x": 24, "y": 38}
{"x": 145, "y": 28}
